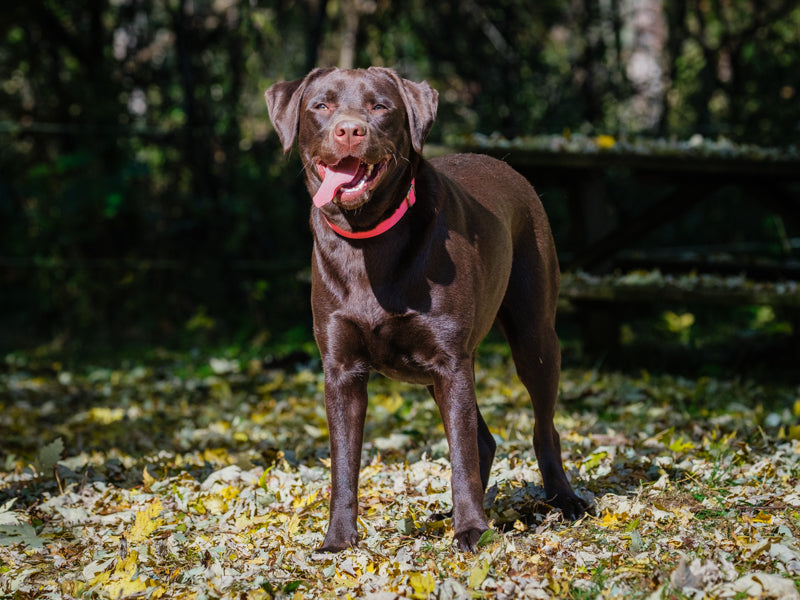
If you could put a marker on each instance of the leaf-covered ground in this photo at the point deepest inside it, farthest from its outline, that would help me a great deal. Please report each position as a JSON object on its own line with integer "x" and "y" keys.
{"x": 211, "y": 480}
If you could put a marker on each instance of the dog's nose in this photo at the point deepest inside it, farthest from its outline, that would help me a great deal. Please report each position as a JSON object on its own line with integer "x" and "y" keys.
{"x": 350, "y": 133}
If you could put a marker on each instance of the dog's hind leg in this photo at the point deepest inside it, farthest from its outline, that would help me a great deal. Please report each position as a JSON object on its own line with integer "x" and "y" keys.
{"x": 537, "y": 356}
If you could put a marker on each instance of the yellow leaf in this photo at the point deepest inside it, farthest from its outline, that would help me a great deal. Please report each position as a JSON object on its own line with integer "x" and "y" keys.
{"x": 594, "y": 460}
{"x": 125, "y": 587}
{"x": 796, "y": 408}
{"x": 126, "y": 567}
{"x": 147, "y": 479}
{"x": 124, "y": 581}
{"x": 217, "y": 456}
{"x": 292, "y": 525}
{"x": 609, "y": 519}
{"x": 230, "y": 492}
{"x": 391, "y": 403}
{"x": 680, "y": 444}
{"x": 677, "y": 323}
{"x": 305, "y": 500}
{"x": 146, "y": 522}
{"x": 99, "y": 579}
{"x": 216, "y": 505}
{"x": 199, "y": 506}
{"x": 605, "y": 142}
{"x": 422, "y": 585}
{"x": 478, "y": 573}
{"x": 156, "y": 591}
{"x": 792, "y": 432}
{"x": 556, "y": 586}
{"x": 762, "y": 517}
{"x": 105, "y": 416}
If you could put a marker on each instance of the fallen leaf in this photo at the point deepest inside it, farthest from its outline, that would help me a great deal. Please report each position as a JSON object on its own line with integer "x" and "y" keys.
{"x": 478, "y": 573}
{"x": 422, "y": 585}
{"x": 146, "y": 522}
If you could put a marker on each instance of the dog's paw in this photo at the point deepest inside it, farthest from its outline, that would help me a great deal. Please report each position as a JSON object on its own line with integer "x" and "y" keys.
{"x": 467, "y": 541}
{"x": 333, "y": 547}
{"x": 336, "y": 542}
{"x": 572, "y": 506}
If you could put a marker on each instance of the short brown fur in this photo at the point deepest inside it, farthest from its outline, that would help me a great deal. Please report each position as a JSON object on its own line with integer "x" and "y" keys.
{"x": 414, "y": 302}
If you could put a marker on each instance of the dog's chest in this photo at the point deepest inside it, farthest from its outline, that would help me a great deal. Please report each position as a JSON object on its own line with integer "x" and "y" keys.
{"x": 399, "y": 316}
{"x": 402, "y": 338}
{"x": 405, "y": 347}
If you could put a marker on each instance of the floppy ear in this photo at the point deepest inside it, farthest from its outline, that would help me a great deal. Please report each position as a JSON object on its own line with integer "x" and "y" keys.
{"x": 283, "y": 105}
{"x": 421, "y": 102}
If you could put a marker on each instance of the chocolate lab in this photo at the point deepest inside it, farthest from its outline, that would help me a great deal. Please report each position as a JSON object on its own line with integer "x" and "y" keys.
{"x": 413, "y": 262}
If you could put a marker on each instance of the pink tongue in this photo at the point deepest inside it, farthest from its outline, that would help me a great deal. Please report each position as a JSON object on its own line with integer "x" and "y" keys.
{"x": 335, "y": 177}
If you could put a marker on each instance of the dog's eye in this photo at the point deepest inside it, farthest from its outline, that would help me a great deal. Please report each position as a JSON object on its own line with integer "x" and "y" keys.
{"x": 321, "y": 106}
{"x": 380, "y": 107}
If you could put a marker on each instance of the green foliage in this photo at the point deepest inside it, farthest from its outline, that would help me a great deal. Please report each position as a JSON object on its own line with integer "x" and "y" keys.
{"x": 142, "y": 185}
{"x": 49, "y": 455}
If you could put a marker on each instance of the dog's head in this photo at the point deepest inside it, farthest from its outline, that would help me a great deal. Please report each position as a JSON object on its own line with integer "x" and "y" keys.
{"x": 357, "y": 130}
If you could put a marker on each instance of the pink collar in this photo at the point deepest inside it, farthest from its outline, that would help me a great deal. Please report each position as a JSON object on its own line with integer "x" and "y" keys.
{"x": 383, "y": 226}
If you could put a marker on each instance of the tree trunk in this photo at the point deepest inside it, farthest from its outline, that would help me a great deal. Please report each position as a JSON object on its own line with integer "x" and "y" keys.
{"x": 347, "y": 56}
{"x": 317, "y": 11}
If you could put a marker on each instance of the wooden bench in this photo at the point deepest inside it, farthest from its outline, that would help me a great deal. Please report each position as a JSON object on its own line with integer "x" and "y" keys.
{"x": 601, "y": 299}
{"x": 601, "y": 235}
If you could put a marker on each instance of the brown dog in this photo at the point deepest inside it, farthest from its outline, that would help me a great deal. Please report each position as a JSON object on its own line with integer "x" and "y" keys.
{"x": 413, "y": 261}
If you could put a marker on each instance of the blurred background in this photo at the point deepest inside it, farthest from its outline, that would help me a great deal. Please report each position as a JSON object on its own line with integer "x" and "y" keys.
{"x": 144, "y": 199}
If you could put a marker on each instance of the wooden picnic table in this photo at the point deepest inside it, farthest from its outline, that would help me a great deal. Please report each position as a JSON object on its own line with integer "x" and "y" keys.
{"x": 683, "y": 174}
{"x": 691, "y": 173}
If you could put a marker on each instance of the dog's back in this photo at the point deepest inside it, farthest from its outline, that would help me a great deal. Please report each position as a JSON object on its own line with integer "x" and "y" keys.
{"x": 511, "y": 199}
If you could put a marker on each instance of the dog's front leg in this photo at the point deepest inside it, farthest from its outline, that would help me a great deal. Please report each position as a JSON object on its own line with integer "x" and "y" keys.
{"x": 346, "y": 408}
{"x": 455, "y": 396}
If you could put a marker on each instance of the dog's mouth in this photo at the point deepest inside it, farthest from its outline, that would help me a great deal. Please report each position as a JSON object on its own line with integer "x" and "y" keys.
{"x": 349, "y": 182}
